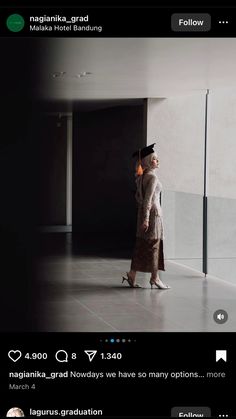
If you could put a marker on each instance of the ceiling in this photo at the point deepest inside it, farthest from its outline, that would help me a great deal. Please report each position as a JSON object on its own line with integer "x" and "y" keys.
{"x": 130, "y": 68}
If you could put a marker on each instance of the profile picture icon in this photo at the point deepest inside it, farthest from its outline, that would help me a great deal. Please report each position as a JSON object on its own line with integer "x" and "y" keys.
{"x": 15, "y": 412}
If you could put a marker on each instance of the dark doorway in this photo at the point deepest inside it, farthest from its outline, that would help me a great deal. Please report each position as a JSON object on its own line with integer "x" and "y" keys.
{"x": 103, "y": 209}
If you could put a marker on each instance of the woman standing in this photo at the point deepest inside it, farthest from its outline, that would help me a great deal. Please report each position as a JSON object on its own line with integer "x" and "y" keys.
{"x": 148, "y": 252}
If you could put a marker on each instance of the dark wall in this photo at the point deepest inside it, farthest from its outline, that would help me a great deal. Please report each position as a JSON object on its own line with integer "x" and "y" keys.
{"x": 52, "y": 170}
{"x": 103, "y": 169}
{"x": 19, "y": 76}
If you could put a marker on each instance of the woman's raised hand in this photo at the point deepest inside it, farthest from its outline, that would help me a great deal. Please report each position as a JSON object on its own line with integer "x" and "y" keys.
{"x": 145, "y": 226}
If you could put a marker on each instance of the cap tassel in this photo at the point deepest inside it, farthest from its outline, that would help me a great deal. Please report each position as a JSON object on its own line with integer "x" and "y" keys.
{"x": 139, "y": 167}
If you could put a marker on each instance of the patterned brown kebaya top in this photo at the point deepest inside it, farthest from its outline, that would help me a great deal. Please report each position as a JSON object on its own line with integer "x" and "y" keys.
{"x": 149, "y": 207}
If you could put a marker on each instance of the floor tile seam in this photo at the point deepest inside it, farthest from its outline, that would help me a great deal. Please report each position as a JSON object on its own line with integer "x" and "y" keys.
{"x": 219, "y": 281}
{"x": 201, "y": 274}
{"x": 101, "y": 318}
{"x": 205, "y": 308}
{"x": 216, "y": 279}
{"x": 222, "y": 258}
{"x": 94, "y": 313}
{"x": 130, "y": 298}
{"x": 156, "y": 315}
{"x": 200, "y": 259}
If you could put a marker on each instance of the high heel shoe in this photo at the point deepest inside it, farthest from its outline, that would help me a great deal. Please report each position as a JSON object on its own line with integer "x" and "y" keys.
{"x": 159, "y": 284}
{"x": 130, "y": 281}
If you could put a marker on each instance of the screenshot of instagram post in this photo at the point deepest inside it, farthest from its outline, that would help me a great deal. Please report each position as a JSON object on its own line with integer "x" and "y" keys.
{"x": 117, "y": 212}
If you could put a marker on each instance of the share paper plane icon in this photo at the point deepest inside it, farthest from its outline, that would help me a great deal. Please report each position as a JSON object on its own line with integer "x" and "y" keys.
{"x": 91, "y": 354}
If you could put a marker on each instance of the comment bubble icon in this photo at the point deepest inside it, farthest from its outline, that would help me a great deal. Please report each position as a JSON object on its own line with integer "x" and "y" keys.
{"x": 61, "y": 356}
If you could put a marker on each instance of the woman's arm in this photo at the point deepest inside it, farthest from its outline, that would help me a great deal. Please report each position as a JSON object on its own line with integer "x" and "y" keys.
{"x": 148, "y": 195}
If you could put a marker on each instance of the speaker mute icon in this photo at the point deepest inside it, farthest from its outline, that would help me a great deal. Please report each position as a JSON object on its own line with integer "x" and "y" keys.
{"x": 91, "y": 354}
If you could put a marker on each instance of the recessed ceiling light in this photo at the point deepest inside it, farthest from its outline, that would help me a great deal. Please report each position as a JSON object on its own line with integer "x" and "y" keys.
{"x": 64, "y": 74}
{"x": 58, "y": 74}
{"x": 83, "y": 74}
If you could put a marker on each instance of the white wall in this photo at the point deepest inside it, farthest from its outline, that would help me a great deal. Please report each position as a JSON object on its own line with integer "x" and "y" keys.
{"x": 222, "y": 184}
{"x": 222, "y": 143}
{"x": 177, "y": 124}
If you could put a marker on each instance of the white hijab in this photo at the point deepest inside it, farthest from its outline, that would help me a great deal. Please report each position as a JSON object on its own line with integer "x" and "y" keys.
{"x": 146, "y": 163}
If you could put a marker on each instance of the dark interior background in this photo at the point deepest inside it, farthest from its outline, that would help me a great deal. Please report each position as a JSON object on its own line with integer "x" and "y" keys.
{"x": 104, "y": 136}
{"x": 33, "y": 179}
{"x": 18, "y": 106}
{"x": 52, "y": 155}
{"x": 103, "y": 173}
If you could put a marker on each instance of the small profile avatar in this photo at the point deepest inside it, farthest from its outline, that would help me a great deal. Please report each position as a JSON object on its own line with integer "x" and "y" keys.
{"x": 15, "y": 412}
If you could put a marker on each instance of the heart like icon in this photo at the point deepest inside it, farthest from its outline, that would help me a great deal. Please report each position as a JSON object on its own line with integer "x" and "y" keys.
{"x": 14, "y": 355}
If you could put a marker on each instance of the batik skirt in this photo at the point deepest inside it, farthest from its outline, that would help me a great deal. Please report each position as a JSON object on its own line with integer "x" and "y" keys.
{"x": 148, "y": 255}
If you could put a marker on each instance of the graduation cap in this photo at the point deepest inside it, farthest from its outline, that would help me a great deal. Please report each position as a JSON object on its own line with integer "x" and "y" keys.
{"x": 144, "y": 152}
{"x": 141, "y": 153}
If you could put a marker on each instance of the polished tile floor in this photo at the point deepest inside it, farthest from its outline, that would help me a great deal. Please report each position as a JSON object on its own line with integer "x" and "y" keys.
{"x": 84, "y": 293}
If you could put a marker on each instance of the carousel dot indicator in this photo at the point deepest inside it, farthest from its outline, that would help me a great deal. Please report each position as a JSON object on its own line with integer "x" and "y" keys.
{"x": 15, "y": 23}
{"x": 117, "y": 340}
{"x": 112, "y": 340}
{"x": 123, "y": 340}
